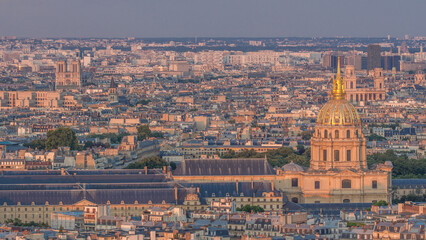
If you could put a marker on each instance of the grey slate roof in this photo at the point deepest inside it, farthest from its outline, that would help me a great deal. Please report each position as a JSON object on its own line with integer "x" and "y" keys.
{"x": 409, "y": 183}
{"x": 223, "y": 167}
{"x": 96, "y": 186}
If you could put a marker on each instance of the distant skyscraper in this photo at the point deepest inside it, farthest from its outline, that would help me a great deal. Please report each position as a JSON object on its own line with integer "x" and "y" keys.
{"x": 329, "y": 61}
{"x": 373, "y": 57}
{"x": 390, "y": 62}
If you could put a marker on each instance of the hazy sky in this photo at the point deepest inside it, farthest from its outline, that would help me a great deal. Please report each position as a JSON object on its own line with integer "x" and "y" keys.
{"x": 212, "y": 18}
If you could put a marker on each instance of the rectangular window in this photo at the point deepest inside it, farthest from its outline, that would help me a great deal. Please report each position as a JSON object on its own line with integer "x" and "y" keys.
{"x": 348, "y": 155}
{"x": 336, "y": 155}
{"x": 317, "y": 184}
{"x": 294, "y": 182}
{"x": 374, "y": 184}
{"x": 324, "y": 155}
{"x": 346, "y": 183}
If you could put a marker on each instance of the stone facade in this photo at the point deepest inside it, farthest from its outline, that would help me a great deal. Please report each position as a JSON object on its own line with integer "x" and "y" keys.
{"x": 68, "y": 78}
{"x": 356, "y": 95}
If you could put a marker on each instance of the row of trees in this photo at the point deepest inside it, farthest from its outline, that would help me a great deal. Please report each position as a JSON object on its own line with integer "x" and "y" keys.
{"x": 276, "y": 157}
{"x": 250, "y": 209}
{"x": 66, "y": 137}
{"x": 114, "y": 138}
{"x": 410, "y": 197}
{"x": 17, "y": 222}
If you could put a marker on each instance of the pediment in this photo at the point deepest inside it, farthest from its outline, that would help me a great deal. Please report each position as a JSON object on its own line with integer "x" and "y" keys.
{"x": 84, "y": 202}
{"x": 348, "y": 172}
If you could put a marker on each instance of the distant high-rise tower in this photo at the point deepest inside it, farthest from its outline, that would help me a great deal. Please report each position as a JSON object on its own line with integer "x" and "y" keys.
{"x": 373, "y": 57}
{"x": 68, "y": 78}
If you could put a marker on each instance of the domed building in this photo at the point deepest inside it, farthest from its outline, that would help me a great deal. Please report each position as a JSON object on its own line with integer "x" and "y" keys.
{"x": 338, "y": 172}
{"x": 338, "y": 142}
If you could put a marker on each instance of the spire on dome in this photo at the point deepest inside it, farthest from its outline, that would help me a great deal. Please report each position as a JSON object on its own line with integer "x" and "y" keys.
{"x": 338, "y": 86}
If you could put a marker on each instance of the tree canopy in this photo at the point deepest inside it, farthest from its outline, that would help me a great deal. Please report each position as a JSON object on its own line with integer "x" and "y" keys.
{"x": 410, "y": 197}
{"x": 250, "y": 208}
{"x": 403, "y": 167}
{"x": 276, "y": 157}
{"x": 144, "y": 132}
{"x": 114, "y": 138}
{"x": 375, "y": 137}
{"x": 306, "y": 135}
{"x": 61, "y": 137}
{"x": 381, "y": 203}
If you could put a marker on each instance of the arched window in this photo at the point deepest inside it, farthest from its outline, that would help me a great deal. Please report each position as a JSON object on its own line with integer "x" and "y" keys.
{"x": 325, "y": 133}
{"x": 295, "y": 200}
{"x": 336, "y": 134}
{"x": 346, "y": 201}
{"x": 348, "y": 133}
{"x": 346, "y": 183}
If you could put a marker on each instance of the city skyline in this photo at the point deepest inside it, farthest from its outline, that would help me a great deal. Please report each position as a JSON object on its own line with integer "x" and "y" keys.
{"x": 187, "y": 18}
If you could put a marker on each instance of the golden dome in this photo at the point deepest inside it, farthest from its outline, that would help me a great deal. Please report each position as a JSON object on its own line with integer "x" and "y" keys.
{"x": 338, "y": 111}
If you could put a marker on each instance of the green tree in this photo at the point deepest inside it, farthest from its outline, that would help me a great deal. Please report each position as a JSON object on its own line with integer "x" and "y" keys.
{"x": 381, "y": 203}
{"x": 410, "y": 197}
{"x": 354, "y": 224}
{"x": 375, "y": 137}
{"x": 113, "y": 137}
{"x": 143, "y": 102}
{"x": 306, "y": 135}
{"x": 61, "y": 137}
{"x": 276, "y": 157}
{"x": 403, "y": 167}
{"x": 144, "y": 132}
{"x": 88, "y": 144}
{"x": 37, "y": 143}
{"x": 150, "y": 162}
{"x": 173, "y": 165}
{"x": 250, "y": 208}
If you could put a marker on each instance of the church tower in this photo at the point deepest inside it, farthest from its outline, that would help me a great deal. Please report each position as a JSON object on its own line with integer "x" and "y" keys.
{"x": 68, "y": 78}
{"x": 350, "y": 77}
{"x": 338, "y": 142}
{"x": 379, "y": 79}
{"x": 112, "y": 91}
